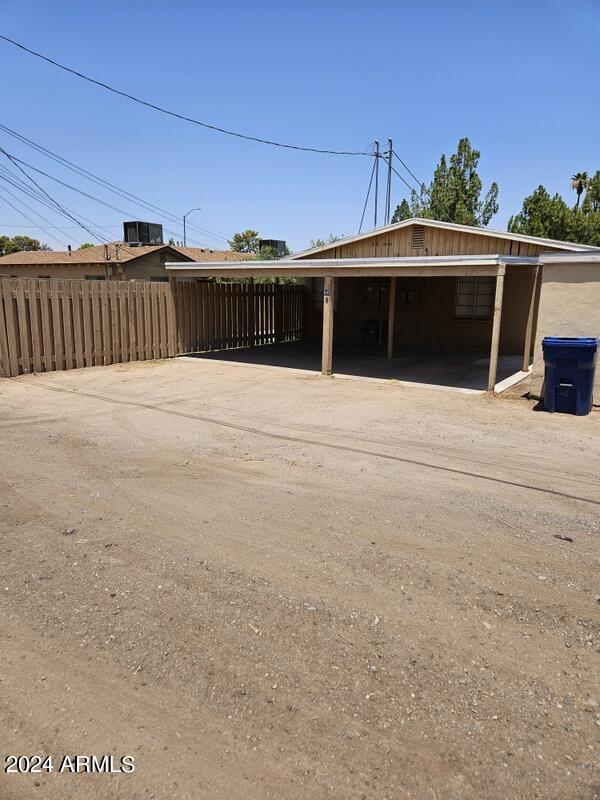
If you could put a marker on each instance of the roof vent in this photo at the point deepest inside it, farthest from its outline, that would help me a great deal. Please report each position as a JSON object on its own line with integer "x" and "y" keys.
{"x": 418, "y": 237}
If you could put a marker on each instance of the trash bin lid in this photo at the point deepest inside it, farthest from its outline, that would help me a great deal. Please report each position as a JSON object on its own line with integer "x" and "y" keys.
{"x": 566, "y": 341}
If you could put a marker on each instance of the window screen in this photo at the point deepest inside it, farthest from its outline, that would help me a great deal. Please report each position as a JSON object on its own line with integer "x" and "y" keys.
{"x": 474, "y": 297}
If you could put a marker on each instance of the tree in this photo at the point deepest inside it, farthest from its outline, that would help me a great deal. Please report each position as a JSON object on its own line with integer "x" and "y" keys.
{"x": 579, "y": 183}
{"x": 551, "y": 217}
{"x": 245, "y": 242}
{"x": 591, "y": 202}
{"x": 402, "y": 212}
{"x": 542, "y": 215}
{"x": 85, "y": 246}
{"x": 269, "y": 253}
{"x": 17, "y": 243}
{"x": 455, "y": 193}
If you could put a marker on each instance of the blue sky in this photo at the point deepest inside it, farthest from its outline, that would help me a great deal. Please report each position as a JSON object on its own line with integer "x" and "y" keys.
{"x": 520, "y": 79}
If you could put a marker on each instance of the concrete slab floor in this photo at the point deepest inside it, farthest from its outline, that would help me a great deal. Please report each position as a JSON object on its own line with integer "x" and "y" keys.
{"x": 452, "y": 369}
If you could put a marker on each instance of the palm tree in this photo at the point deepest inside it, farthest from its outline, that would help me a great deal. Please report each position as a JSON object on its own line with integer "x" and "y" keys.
{"x": 579, "y": 182}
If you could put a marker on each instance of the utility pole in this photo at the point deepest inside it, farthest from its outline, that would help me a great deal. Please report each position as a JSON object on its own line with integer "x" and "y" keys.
{"x": 388, "y": 196}
{"x": 184, "y": 217}
{"x": 376, "y": 178}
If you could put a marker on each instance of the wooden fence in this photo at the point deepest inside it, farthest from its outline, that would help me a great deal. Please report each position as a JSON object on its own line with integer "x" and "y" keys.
{"x": 64, "y": 324}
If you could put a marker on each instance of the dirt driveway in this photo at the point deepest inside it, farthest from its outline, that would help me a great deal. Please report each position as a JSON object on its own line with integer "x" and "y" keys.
{"x": 272, "y": 585}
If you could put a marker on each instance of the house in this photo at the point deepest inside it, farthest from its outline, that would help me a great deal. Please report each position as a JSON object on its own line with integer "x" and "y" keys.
{"x": 424, "y": 292}
{"x": 114, "y": 261}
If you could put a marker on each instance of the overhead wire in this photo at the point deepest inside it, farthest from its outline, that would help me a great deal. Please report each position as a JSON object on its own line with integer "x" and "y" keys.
{"x": 95, "y": 234}
{"x": 207, "y": 231}
{"x": 362, "y": 219}
{"x": 27, "y": 217}
{"x": 175, "y": 114}
{"x": 79, "y": 191}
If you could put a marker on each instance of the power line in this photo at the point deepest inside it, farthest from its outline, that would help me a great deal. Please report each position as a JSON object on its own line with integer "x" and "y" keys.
{"x": 420, "y": 185}
{"x": 95, "y": 235}
{"x": 210, "y": 232}
{"x": 362, "y": 219}
{"x": 183, "y": 117}
{"x": 407, "y": 168}
{"x": 26, "y": 216}
{"x": 79, "y": 191}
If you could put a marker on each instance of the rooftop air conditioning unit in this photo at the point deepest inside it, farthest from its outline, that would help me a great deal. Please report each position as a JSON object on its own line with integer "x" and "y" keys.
{"x": 142, "y": 233}
{"x": 277, "y": 245}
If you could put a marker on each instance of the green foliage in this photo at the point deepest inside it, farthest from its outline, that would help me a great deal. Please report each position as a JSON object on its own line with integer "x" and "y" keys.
{"x": 85, "y": 246}
{"x": 551, "y": 217}
{"x": 322, "y": 242}
{"x": 268, "y": 253}
{"x": 455, "y": 193}
{"x": 17, "y": 243}
{"x": 245, "y": 242}
{"x": 402, "y": 212}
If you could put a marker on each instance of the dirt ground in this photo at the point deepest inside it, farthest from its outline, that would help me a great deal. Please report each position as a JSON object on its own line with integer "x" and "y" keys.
{"x": 263, "y": 584}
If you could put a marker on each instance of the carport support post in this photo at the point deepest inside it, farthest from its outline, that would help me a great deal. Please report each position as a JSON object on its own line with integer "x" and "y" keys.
{"x": 328, "y": 305}
{"x": 391, "y": 318}
{"x": 496, "y": 329}
{"x": 530, "y": 320}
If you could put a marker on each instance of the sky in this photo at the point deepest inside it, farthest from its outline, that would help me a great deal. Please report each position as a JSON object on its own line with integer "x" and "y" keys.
{"x": 518, "y": 77}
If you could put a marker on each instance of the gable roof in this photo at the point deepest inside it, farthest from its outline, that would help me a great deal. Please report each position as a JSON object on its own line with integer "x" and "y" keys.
{"x": 118, "y": 253}
{"x": 450, "y": 226}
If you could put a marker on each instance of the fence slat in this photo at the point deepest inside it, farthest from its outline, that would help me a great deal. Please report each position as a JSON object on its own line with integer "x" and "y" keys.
{"x": 123, "y": 321}
{"x": 23, "y": 327}
{"x": 11, "y": 325}
{"x": 4, "y": 357}
{"x": 88, "y": 328}
{"x": 78, "y": 336}
{"x": 62, "y": 324}
{"x": 133, "y": 354}
{"x": 48, "y": 344}
{"x": 34, "y": 318}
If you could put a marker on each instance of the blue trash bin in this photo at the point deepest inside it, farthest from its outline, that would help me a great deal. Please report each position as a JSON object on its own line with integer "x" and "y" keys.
{"x": 570, "y": 365}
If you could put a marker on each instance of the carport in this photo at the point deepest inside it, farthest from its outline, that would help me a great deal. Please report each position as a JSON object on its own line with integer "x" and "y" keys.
{"x": 413, "y": 361}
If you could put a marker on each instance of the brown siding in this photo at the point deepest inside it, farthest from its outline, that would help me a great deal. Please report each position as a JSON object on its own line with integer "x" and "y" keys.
{"x": 438, "y": 242}
{"x": 430, "y": 320}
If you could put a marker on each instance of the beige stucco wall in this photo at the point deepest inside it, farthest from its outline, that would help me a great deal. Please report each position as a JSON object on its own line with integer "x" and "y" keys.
{"x": 569, "y": 306}
{"x": 72, "y": 271}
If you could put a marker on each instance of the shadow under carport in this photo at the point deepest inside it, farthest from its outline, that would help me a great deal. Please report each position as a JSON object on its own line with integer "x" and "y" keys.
{"x": 434, "y": 367}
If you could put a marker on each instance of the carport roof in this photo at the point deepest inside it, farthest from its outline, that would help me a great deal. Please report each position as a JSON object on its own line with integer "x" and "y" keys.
{"x": 424, "y": 266}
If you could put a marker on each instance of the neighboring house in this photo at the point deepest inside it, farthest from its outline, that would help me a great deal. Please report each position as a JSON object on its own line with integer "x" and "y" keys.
{"x": 114, "y": 261}
{"x": 425, "y": 285}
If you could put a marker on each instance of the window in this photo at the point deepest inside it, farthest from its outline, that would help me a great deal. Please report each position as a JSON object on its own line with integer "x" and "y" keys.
{"x": 95, "y": 278}
{"x": 474, "y": 298}
{"x": 318, "y": 286}
{"x": 159, "y": 279}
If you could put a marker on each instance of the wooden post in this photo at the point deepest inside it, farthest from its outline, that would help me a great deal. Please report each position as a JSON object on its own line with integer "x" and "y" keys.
{"x": 496, "y": 329}
{"x": 278, "y": 309}
{"x": 530, "y": 320}
{"x": 391, "y": 317}
{"x": 251, "y": 313}
{"x": 328, "y": 306}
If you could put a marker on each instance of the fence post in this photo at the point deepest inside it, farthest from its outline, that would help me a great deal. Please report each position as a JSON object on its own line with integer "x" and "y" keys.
{"x": 279, "y": 321}
{"x": 174, "y": 344}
